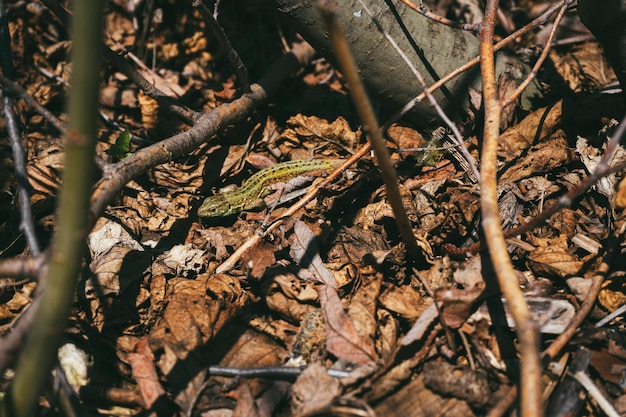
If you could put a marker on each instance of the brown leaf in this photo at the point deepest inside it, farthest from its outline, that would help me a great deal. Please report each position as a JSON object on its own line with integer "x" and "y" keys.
{"x": 246, "y": 407}
{"x": 196, "y": 311}
{"x": 145, "y": 374}
{"x": 312, "y": 127}
{"x": 552, "y": 258}
{"x": 342, "y": 339}
{"x": 455, "y": 305}
{"x": 523, "y": 135}
{"x": 416, "y": 400}
{"x": 259, "y": 258}
{"x": 541, "y": 158}
{"x": 458, "y": 381}
{"x": 405, "y": 301}
{"x": 583, "y": 67}
{"x": 313, "y": 391}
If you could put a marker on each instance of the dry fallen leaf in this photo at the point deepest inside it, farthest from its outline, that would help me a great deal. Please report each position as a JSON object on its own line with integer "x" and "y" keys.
{"x": 552, "y": 258}
{"x": 313, "y": 391}
{"x": 145, "y": 374}
{"x": 342, "y": 339}
{"x": 455, "y": 305}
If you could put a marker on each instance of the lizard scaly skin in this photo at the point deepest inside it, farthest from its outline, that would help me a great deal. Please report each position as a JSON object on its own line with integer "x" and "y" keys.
{"x": 250, "y": 195}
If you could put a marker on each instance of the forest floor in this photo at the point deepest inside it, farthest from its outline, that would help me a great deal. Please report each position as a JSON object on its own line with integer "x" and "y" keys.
{"x": 162, "y": 306}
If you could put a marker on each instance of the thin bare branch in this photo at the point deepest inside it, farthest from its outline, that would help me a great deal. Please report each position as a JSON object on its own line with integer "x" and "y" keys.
{"x": 370, "y": 125}
{"x": 527, "y": 331}
{"x": 15, "y": 137}
{"x": 15, "y": 89}
{"x": 218, "y": 32}
{"x": 423, "y": 10}
{"x": 544, "y": 54}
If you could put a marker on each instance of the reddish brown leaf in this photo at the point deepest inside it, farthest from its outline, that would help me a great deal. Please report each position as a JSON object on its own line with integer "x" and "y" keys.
{"x": 145, "y": 374}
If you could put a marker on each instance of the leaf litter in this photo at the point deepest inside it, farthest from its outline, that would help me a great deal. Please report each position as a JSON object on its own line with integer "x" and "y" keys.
{"x": 330, "y": 288}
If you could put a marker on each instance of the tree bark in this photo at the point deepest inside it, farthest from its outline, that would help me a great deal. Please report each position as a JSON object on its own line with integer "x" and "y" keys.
{"x": 433, "y": 48}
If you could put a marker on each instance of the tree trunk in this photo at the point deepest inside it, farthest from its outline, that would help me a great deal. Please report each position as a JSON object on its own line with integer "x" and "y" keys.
{"x": 433, "y": 48}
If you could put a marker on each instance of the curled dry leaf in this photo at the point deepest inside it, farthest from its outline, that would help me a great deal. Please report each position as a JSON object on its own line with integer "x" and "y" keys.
{"x": 591, "y": 156}
{"x": 312, "y": 128}
{"x": 180, "y": 260}
{"x": 613, "y": 294}
{"x": 523, "y": 135}
{"x": 541, "y": 158}
{"x": 117, "y": 261}
{"x": 405, "y": 301}
{"x": 552, "y": 258}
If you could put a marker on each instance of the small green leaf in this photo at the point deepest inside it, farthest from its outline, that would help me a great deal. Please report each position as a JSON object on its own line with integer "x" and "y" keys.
{"x": 122, "y": 146}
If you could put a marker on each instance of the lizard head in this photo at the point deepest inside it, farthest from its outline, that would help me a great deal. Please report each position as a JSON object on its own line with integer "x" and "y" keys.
{"x": 215, "y": 206}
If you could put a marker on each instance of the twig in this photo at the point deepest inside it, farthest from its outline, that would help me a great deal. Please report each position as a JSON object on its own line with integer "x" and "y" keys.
{"x": 370, "y": 126}
{"x": 431, "y": 99}
{"x": 40, "y": 351}
{"x": 423, "y": 10}
{"x": 19, "y": 156}
{"x": 544, "y": 54}
{"x": 218, "y": 32}
{"x": 23, "y": 192}
{"x": 526, "y": 328}
{"x": 17, "y": 268}
{"x": 451, "y": 75}
{"x": 595, "y": 393}
{"x": 17, "y": 90}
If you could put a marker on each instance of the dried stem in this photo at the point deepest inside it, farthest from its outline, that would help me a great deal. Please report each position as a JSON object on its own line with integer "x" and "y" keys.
{"x": 507, "y": 279}
{"x": 40, "y": 350}
{"x": 370, "y": 126}
{"x": 218, "y": 32}
{"x": 544, "y": 54}
{"x": 19, "y": 156}
{"x": 423, "y": 10}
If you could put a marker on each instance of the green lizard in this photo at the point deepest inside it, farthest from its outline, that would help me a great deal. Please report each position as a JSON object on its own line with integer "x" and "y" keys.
{"x": 250, "y": 195}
